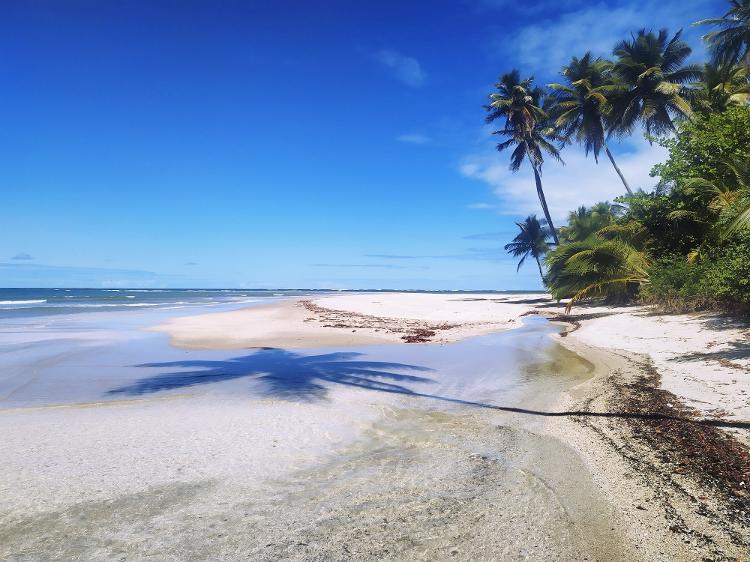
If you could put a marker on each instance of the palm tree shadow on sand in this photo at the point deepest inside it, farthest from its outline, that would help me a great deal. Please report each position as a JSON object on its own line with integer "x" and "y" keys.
{"x": 277, "y": 373}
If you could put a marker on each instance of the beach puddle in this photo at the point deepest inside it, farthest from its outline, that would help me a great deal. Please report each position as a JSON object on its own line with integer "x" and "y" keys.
{"x": 394, "y": 451}
{"x": 139, "y": 365}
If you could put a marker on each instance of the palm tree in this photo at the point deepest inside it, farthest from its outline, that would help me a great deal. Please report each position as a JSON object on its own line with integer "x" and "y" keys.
{"x": 742, "y": 220}
{"x": 722, "y": 86}
{"x": 527, "y": 126}
{"x": 583, "y": 222}
{"x": 650, "y": 68}
{"x": 582, "y": 104}
{"x": 531, "y": 241}
{"x": 596, "y": 267}
{"x": 731, "y": 43}
{"x": 726, "y": 194}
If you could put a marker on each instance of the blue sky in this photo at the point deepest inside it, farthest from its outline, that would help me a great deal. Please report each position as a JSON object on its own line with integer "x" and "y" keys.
{"x": 286, "y": 144}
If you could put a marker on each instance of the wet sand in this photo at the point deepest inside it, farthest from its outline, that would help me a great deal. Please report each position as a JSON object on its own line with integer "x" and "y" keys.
{"x": 435, "y": 474}
{"x": 468, "y": 450}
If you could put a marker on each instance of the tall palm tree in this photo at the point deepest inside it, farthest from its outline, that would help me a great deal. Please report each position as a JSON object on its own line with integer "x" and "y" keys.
{"x": 531, "y": 241}
{"x": 722, "y": 85}
{"x": 650, "y": 68}
{"x": 582, "y": 104}
{"x": 528, "y": 127}
{"x": 731, "y": 43}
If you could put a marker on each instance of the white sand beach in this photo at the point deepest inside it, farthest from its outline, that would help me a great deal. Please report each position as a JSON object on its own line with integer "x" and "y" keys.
{"x": 310, "y": 429}
{"x": 702, "y": 358}
{"x": 350, "y": 319}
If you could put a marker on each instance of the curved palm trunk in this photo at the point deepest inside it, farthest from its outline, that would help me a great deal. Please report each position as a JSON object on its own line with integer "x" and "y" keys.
{"x": 543, "y": 201}
{"x": 617, "y": 169}
{"x": 541, "y": 273}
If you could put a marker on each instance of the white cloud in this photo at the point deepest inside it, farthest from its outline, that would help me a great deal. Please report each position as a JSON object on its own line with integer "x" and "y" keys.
{"x": 406, "y": 69}
{"x": 479, "y": 205}
{"x": 543, "y": 48}
{"x": 579, "y": 182}
{"x": 413, "y": 138}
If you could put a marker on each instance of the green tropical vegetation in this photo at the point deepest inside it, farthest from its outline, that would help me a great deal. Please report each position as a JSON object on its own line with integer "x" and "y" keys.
{"x": 684, "y": 245}
{"x": 730, "y": 43}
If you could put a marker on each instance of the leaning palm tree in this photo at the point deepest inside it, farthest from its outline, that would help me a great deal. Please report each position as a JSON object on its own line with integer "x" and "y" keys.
{"x": 528, "y": 128}
{"x": 731, "y": 43}
{"x": 650, "y": 67}
{"x": 722, "y": 86}
{"x": 581, "y": 104}
{"x": 596, "y": 267}
{"x": 530, "y": 241}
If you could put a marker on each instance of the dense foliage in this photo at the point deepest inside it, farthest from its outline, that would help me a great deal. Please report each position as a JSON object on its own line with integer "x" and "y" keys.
{"x": 686, "y": 244}
{"x": 675, "y": 245}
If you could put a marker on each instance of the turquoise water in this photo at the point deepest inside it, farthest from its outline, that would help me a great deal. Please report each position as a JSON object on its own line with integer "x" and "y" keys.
{"x": 53, "y": 353}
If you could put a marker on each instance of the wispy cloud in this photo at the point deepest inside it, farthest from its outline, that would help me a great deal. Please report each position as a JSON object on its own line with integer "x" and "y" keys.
{"x": 22, "y": 256}
{"x": 480, "y": 206}
{"x": 190, "y": 263}
{"x": 529, "y": 7}
{"x": 579, "y": 182}
{"x": 493, "y": 236}
{"x": 368, "y": 265}
{"x": 414, "y": 138}
{"x": 544, "y": 47}
{"x": 406, "y": 69}
{"x": 471, "y": 254}
{"x": 391, "y": 256}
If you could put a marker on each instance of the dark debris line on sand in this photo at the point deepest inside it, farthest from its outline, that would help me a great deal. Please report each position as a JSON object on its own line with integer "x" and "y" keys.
{"x": 695, "y": 464}
{"x": 412, "y": 331}
{"x": 683, "y": 463}
{"x": 711, "y": 454}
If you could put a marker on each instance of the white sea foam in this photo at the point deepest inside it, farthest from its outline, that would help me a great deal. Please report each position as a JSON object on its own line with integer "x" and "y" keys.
{"x": 111, "y": 305}
{"x": 36, "y": 301}
{"x": 148, "y": 291}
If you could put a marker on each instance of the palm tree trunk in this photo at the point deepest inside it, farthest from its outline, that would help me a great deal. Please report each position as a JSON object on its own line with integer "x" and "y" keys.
{"x": 617, "y": 169}
{"x": 543, "y": 201}
{"x": 539, "y": 265}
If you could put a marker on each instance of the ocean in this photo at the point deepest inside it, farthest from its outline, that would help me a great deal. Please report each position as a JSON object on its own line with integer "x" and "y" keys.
{"x": 22, "y": 303}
